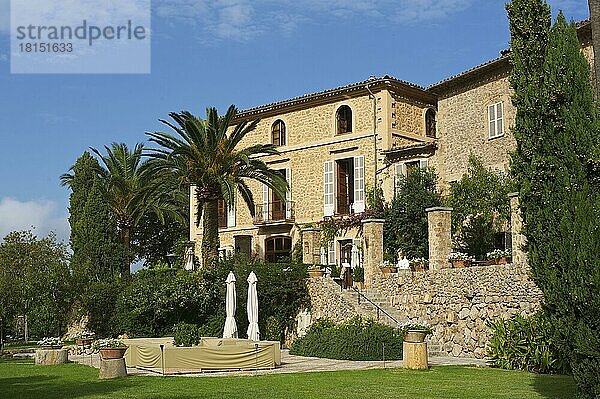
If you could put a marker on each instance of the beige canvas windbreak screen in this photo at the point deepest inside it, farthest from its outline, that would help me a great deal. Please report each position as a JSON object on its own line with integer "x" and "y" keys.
{"x": 210, "y": 354}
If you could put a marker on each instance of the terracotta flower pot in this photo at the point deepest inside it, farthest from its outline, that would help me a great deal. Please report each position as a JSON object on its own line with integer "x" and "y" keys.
{"x": 460, "y": 263}
{"x": 84, "y": 341}
{"x": 49, "y": 347}
{"x": 358, "y": 285}
{"x": 315, "y": 273}
{"x": 503, "y": 260}
{"x": 112, "y": 353}
{"x": 388, "y": 269}
{"x": 419, "y": 267}
{"x": 415, "y": 336}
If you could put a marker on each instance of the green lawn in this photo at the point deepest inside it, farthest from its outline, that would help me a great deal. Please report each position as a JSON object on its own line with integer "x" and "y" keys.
{"x": 23, "y": 379}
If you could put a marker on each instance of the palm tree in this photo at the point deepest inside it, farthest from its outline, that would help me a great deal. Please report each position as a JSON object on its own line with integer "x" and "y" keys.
{"x": 203, "y": 154}
{"x": 132, "y": 191}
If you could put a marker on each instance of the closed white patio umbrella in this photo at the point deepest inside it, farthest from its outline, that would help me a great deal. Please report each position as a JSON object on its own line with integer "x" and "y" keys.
{"x": 230, "y": 330}
{"x": 189, "y": 259}
{"x": 252, "y": 308}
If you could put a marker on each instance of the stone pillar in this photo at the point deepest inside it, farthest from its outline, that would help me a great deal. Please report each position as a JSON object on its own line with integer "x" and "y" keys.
{"x": 439, "y": 222}
{"x": 112, "y": 368}
{"x": 311, "y": 246}
{"x": 519, "y": 256}
{"x": 414, "y": 355}
{"x": 373, "y": 248}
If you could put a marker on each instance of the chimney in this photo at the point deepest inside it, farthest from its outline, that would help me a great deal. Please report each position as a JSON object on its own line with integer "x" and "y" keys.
{"x": 595, "y": 18}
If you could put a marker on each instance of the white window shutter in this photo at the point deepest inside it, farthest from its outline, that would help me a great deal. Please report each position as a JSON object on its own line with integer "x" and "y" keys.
{"x": 323, "y": 256}
{"x": 328, "y": 188}
{"x": 499, "y": 119}
{"x": 492, "y": 120}
{"x": 423, "y": 164}
{"x": 231, "y": 214}
{"x": 288, "y": 194}
{"x": 331, "y": 253}
{"x": 265, "y": 202}
{"x": 359, "y": 184}
{"x": 399, "y": 172}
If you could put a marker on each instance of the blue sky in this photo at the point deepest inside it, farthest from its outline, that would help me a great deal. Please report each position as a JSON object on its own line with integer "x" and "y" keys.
{"x": 219, "y": 52}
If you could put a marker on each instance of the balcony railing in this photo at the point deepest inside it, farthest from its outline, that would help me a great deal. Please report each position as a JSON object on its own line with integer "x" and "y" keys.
{"x": 273, "y": 212}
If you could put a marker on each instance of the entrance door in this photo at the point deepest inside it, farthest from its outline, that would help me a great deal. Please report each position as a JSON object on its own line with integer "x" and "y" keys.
{"x": 346, "y": 261}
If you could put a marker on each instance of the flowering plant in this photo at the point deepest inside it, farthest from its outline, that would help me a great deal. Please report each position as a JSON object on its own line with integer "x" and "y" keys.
{"x": 411, "y": 326}
{"x": 108, "y": 343}
{"x": 85, "y": 335}
{"x": 498, "y": 253}
{"x": 417, "y": 261}
{"x": 51, "y": 341}
{"x": 459, "y": 256}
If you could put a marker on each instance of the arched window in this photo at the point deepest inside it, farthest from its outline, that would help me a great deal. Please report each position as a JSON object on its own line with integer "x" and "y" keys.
{"x": 278, "y": 248}
{"x": 343, "y": 119}
{"x": 430, "y": 130}
{"x": 278, "y": 132}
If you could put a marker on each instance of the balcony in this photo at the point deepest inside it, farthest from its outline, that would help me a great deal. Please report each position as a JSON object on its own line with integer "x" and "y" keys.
{"x": 276, "y": 212}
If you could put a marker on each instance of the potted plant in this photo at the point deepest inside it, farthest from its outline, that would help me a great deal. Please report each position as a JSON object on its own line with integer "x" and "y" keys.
{"x": 415, "y": 332}
{"x": 50, "y": 343}
{"x": 419, "y": 264}
{"x": 110, "y": 348}
{"x": 315, "y": 271}
{"x": 358, "y": 277}
{"x": 388, "y": 267}
{"x": 499, "y": 256}
{"x": 460, "y": 259}
{"x": 84, "y": 338}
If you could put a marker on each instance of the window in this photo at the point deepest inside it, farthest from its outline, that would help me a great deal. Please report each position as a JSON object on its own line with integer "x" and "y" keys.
{"x": 273, "y": 208}
{"x": 430, "y": 129}
{"x": 278, "y": 248}
{"x": 496, "y": 120}
{"x": 344, "y": 186}
{"x": 404, "y": 169}
{"x": 226, "y": 214}
{"x": 343, "y": 119}
{"x": 278, "y": 133}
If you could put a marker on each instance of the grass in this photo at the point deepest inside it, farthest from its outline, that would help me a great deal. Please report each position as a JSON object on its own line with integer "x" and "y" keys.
{"x": 23, "y": 379}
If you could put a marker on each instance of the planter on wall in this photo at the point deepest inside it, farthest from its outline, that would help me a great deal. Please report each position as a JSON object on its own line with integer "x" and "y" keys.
{"x": 460, "y": 263}
{"x": 503, "y": 260}
{"x": 315, "y": 273}
{"x": 419, "y": 267}
{"x": 388, "y": 269}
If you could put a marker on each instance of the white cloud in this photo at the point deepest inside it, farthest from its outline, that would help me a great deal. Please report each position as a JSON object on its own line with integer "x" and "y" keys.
{"x": 43, "y": 215}
{"x": 244, "y": 19}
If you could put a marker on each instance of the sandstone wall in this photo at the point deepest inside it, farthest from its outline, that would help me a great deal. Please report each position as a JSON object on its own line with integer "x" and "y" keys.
{"x": 457, "y": 303}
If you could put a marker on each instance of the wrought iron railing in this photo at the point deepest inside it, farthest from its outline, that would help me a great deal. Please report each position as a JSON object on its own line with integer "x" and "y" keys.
{"x": 378, "y": 308}
{"x": 276, "y": 211}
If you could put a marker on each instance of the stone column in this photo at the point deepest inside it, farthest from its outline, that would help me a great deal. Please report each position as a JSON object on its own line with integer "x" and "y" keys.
{"x": 373, "y": 248}
{"x": 311, "y": 246}
{"x": 439, "y": 222}
{"x": 519, "y": 257}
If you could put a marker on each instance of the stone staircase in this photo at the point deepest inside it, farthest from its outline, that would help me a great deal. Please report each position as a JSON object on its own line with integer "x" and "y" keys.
{"x": 372, "y": 303}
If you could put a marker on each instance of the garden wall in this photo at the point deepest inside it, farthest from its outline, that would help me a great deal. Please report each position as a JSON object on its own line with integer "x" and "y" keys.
{"x": 457, "y": 303}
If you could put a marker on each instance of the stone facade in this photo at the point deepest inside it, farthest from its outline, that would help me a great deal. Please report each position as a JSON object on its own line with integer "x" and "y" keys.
{"x": 462, "y": 128}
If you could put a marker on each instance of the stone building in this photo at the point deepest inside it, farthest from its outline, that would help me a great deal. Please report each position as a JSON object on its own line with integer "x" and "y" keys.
{"x": 336, "y": 145}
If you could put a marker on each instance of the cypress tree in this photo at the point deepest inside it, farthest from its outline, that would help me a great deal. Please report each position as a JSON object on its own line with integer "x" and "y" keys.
{"x": 557, "y": 137}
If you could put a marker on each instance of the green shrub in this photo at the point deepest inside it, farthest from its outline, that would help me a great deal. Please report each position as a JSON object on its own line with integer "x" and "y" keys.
{"x": 524, "y": 344}
{"x": 358, "y": 274}
{"x": 186, "y": 334}
{"x": 214, "y": 326}
{"x": 355, "y": 339}
{"x": 273, "y": 329}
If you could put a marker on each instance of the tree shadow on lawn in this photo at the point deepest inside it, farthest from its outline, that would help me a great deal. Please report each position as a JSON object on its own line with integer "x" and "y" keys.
{"x": 555, "y": 386}
{"x": 54, "y": 387}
